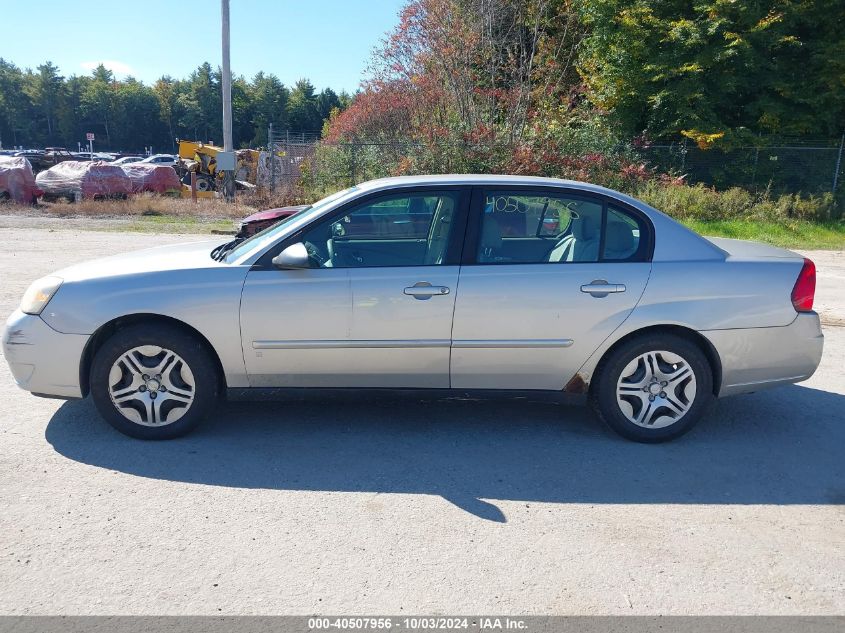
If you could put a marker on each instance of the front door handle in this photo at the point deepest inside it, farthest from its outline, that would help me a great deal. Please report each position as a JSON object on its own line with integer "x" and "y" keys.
{"x": 600, "y": 288}
{"x": 423, "y": 290}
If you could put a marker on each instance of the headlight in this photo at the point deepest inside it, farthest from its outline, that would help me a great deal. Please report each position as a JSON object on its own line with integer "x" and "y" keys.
{"x": 38, "y": 295}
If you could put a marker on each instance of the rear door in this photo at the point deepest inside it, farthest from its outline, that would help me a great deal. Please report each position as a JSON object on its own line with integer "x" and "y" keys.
{"x": 374, "y": 310}
{"x": 548, "y": 274}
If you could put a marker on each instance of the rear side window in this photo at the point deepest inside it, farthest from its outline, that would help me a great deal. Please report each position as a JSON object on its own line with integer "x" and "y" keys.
{"x": 622, "y": 236}
{"x": 521, "y": 227}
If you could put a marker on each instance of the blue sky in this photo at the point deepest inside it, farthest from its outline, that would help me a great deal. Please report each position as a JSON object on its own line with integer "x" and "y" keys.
{"x": 327, "y": 41}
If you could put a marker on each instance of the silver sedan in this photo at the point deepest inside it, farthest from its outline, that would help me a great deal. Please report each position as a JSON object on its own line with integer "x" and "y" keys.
{"x": 431, "y": 282}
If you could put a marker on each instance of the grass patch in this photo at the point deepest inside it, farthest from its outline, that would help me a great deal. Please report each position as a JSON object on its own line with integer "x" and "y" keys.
{"x": 799, "y": 234}
{"x": 704, "y": 203}
{"x": 176, "y": 224}
{"x": 152, "y": 205}
{"x": 149, "y": 206}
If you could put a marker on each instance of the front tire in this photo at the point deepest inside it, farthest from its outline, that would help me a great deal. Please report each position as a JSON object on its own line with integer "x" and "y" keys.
{"x": 153, "y": 382}
{"x": 653, "y": 388}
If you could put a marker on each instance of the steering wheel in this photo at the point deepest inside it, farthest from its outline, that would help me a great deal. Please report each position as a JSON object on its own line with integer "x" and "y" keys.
{"x": 315, "y": 255}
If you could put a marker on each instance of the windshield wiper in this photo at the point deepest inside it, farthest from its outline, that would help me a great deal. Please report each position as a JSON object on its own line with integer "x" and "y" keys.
{"x": 224, "y": 249}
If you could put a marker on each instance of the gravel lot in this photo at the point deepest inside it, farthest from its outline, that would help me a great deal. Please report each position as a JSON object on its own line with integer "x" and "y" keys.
{"x": 419, "y": 505}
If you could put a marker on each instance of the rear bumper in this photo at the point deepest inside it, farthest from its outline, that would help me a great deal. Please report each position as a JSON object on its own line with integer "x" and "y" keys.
{"x": 42, "y": 360}
{"x": 759, "y": 358}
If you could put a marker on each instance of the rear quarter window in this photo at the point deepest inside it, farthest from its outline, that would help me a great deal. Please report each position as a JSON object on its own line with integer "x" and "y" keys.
{"x": 625, "y": 236}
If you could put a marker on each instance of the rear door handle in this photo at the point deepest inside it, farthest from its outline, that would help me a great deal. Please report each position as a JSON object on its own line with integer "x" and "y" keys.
{"x": 600, "y": 288}
{"x": 423, "y": 290}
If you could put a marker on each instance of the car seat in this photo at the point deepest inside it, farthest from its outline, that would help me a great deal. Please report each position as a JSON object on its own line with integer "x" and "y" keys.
{"x": 491, "y": 239}
{"x": 581, "y": 244}
{"x": 619, "y": 243}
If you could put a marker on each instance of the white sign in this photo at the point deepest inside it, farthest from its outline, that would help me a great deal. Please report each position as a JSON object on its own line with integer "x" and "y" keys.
{"x": 89, "y": 136}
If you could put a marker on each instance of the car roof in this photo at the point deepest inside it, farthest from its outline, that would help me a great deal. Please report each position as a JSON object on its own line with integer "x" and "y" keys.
{"x": 503, "y": 180}
{"x": 482, "y": 179}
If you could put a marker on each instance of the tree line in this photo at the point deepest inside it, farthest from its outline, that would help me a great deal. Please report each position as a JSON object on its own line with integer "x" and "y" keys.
{"x": 42, "y": 108}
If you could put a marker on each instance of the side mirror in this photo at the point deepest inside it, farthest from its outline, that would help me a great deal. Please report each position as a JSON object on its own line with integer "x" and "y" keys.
{"x": 293, "y": 257}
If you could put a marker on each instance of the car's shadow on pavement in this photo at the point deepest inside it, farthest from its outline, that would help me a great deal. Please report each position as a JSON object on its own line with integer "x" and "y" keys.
{"x": 785, "y": 446}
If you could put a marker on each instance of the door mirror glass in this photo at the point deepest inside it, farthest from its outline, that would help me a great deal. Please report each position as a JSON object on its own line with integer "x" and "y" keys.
{"x": 294, "y": 256}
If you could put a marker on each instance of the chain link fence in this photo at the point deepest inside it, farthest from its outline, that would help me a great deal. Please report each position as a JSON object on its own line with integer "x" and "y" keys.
{"x": 809, "y": 166}
{"x": 805, "y": 166}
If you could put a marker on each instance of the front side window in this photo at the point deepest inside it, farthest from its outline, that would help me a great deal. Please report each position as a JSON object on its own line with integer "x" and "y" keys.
{"x": 409, "y": 229}
{"x": 528, "y": 228}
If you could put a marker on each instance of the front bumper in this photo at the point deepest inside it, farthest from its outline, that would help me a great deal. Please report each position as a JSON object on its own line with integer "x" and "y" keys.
{"x": 758, "y": 358}
{"x": 42, "y": 360}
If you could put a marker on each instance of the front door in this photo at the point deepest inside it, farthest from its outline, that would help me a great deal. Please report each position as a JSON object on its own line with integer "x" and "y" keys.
{"x": 375, "y": 308}
{"x": 552, "y": 276}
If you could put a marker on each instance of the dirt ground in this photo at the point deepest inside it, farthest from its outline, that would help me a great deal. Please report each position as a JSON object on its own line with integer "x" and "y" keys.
{"x": 408, "y": 504}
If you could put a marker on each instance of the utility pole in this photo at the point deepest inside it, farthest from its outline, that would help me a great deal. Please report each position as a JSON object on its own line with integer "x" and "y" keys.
{"x": 226, "y": 81}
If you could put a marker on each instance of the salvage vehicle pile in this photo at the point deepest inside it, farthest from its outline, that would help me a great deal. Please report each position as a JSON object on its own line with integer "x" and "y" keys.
{"x": 154, "y": 178}
{"x": 24, "y": 179}
{"x": 97, "y": 180}
{"x": 74, "y": 179}
{"x": 16, "y": 180}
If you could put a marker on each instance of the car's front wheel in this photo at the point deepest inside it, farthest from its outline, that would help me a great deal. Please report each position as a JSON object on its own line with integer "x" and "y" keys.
{"x": 653, "y": 388}
{"x": 153, "y": 382}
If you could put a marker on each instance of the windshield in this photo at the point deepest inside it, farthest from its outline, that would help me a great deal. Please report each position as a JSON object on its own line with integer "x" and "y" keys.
{"x": 267, "y": 236}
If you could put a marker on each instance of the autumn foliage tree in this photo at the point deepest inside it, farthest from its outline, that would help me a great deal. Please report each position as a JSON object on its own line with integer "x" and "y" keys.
{"x": 480, "y": 86}
{"x": 466, "y": 70}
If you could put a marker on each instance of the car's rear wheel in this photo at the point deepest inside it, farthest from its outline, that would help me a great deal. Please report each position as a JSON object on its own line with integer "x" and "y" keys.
{"x": 653, "y": 388}
{"x": 153, "y": 382}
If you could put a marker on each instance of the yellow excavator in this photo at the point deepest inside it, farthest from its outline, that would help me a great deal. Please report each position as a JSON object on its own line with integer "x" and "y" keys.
{"x": 201, "y": 158}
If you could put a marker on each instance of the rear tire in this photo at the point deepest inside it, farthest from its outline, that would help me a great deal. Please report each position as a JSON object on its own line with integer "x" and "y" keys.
{"x": 652, "y": 388}
{"x": 204, "y": 184}
{"x": 153, "y": 382}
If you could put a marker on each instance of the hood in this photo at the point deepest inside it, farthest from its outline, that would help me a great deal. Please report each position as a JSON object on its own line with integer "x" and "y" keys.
{"x": 187, "y": 256}
{"x": 272, "y": 214}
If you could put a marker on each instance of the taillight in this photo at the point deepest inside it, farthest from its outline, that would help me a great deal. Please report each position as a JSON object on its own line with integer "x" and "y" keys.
{"x": 804, "y": 290}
